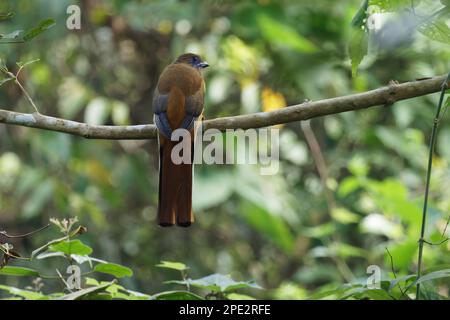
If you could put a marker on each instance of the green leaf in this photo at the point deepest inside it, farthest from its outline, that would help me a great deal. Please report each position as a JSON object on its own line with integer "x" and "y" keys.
{"x": 357, "y": 48}
{"x": 173, "y": 265}
{"x": 18, "y": 271}
{"x": 84, "y": 292}
{"x": 176, "y": 295}
{"x": 71, "y": 247}
{"x": 390, "y": 5}
{"x": 434, "y": 275}
{"x": 437, "y": 30}
{"x": 361, "y": 15}
{"x": 42, "y": 26}
{"x": 114, "y": 269}
{"x": 334, "y": 293}
{"x": 282, "y": 34}
{"x": 46, "y": 255}
{"x": 377, "y": 294}
{"x": 217, "y": 283}
{"x": 397, "y": 281}
{"x": 238, "y": 296}
{"x": 28, "y": 295}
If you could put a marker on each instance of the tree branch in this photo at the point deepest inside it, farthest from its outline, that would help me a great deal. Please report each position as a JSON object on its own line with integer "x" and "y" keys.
{"x": 382, "y": 96}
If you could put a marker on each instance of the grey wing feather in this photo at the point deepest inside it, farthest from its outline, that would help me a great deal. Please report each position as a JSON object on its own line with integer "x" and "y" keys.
{"x": 160, "y": 102}
{"x": 194, "y": 108}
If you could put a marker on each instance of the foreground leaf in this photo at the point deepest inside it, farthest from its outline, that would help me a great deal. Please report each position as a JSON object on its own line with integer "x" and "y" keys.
{"x": 173, "y": 265}
{"x": 357, "y": 49}
{"x": 114, "y": 269}
{"x": 34, "y": 32}
{"x": 28, "y": 295}
{"x": 18, "y": 271}
{"x": 72, "y": 247}
{"x": 84, "y": 292}
{"x": 217, "y": 283}
{"x": 176, "y": 295}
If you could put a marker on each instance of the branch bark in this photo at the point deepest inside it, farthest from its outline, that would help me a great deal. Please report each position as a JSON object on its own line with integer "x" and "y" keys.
{"x": 382, "y": 96}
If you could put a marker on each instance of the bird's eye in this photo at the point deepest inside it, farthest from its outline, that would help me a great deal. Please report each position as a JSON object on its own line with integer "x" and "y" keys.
{"x": 195, "y": 60}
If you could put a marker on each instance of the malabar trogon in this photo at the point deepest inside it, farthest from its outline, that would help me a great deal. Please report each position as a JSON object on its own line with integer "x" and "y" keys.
{"x": 177, "y": 103}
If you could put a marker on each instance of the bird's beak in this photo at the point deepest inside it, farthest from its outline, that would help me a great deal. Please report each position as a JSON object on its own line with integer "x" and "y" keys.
{"x": 203, "y": 64}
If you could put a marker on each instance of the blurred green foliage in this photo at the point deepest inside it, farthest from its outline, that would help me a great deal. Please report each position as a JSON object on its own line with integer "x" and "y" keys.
{"x": 283, "y": 231}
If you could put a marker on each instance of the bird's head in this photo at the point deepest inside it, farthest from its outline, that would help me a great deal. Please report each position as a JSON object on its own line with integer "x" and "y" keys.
{"x": 193, "y": 60}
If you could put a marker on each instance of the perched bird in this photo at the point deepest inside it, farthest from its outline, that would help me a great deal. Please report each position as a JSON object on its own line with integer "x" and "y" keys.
{"x": 177, "y": 103}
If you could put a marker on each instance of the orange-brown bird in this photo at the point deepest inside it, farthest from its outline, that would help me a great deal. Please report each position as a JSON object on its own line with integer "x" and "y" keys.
{"x": 177, "y": 103}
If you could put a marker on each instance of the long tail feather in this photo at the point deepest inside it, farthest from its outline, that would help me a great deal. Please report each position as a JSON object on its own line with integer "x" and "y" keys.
{"x": 175, "y": 189}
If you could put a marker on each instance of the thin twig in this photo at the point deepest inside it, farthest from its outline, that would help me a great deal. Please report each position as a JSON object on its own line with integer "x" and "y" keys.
{"x": 445, "y": 228}
{"x": 16, "y": 80}
{"x": 393, "y": 271}
{"x": 321, "y": 166}
{"x": 428, "y": 178}
{"x": 5, "y": 234}
{"x": 436, "y": 243}
{"x": 319, "y": 161}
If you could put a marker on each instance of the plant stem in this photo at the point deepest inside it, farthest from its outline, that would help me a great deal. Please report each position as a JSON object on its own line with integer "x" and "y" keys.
{"x": 427, "y": 185}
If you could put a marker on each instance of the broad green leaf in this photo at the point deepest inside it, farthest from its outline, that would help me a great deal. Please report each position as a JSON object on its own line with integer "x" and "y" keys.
{"x": 114, "y": 269}
{"x": 238, "y": 296}
{"x": 397, "y": 281}
{"x": 357, "y": 48}
{"x": 18, "y": 271}
{"x": 334, "y": 293}
{"x": 28, "y": 295}
{"x": 437, "y": 30}
{"x": 377, "y": 294}
{"x": 42, "y": 26}
{"x": 84, "y": 292}
{"x": 434, "y": 275}
{"x": 360, "y": 16}
{"x": 91, "y": 282}
{"x": 71, "y": 247}
{"x": 280, "y": 33}
{"x": 176, "y": 295}
{"x": 217, "y": 283}
{"x": 390, "y": 5}
{"x": 173, "y": 265}
{"x": 46, "y": 255}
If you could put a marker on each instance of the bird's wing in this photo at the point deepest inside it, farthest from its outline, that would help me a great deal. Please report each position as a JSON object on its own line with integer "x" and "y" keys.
{"x": 160, "y": 104}
{"x": 193, "y": 109}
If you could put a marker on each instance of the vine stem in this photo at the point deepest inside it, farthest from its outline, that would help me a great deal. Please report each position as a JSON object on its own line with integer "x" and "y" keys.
{"x": 427, "y": 185}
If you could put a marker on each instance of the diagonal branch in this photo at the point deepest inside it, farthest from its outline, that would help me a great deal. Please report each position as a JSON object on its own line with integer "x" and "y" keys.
{"x": 382, "y": 96}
